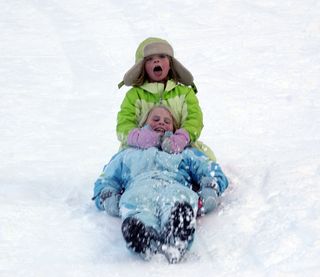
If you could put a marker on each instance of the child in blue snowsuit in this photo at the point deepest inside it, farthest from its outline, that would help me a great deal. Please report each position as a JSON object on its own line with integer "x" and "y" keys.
{"x": 151, "y": 190}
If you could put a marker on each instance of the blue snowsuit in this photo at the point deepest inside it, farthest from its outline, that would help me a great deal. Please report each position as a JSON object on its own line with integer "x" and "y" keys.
{"x": 152, "y": 181}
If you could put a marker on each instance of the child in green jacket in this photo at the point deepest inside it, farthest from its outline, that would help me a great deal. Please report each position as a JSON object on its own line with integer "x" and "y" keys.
{"x": 157, "y": 77}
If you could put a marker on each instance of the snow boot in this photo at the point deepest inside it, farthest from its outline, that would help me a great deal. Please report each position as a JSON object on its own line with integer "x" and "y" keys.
{"x": 178, "y": 232}
{"x": 139, "y": 238}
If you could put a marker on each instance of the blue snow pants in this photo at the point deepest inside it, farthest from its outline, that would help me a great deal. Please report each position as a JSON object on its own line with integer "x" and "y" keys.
{"x": 151, "y": 201}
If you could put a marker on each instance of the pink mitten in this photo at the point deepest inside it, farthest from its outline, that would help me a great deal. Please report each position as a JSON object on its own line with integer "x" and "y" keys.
{"x": 176, "y": 142}
{"x": 144, "y": 138}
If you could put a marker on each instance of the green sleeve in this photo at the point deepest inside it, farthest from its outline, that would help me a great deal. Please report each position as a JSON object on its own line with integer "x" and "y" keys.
{"x": 126, "y": 119}
{"x": 193, "y": 120}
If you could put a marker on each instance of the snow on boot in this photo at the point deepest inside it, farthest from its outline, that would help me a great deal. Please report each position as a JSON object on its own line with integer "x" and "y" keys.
{"x": 178, "y": 232}
{"x": 174, "y": 252}
{"x": 140, "y": 238}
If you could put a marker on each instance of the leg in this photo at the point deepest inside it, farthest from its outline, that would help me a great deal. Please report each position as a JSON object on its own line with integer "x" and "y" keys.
{"x": 140, "y": 224}
{"x": 178, "y": 233}
{"x": 179, "y": 222}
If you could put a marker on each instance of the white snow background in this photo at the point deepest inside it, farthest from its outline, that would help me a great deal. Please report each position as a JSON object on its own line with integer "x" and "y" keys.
{"x": 257, "y": 68}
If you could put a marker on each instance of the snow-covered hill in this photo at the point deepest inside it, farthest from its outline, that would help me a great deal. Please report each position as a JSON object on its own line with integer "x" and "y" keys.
{"x": 256, "y": 65}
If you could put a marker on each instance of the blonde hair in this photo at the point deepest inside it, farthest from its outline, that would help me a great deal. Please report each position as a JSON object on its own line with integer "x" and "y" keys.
{"x": 146, "y": 115}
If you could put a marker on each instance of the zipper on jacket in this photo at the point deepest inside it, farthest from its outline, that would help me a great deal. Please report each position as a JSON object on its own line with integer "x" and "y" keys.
{"x": 161, "y": 98}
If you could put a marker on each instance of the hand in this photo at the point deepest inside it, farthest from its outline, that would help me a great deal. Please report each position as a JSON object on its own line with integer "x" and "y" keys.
{"x": 144, "y": 138}
{"x": 176, "y": 142}
{"x": 110, "y": 201}
{"x": 208, "y": 196}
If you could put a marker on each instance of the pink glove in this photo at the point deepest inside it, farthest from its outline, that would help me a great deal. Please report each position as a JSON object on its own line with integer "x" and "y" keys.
{"x": 176, "y": 142}
{"x": 144, "y": 138}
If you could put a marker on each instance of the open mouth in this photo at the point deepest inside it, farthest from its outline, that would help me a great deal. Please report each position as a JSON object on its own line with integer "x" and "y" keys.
{"x": 160, "y": 130}
{"x": 157, "y": 69}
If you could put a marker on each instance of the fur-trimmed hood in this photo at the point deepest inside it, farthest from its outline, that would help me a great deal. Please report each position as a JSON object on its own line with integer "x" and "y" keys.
{"x": 153, "y": 46}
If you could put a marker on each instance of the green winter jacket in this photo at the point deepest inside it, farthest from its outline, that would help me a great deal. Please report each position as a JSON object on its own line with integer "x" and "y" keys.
{"x": 181, "y": 100}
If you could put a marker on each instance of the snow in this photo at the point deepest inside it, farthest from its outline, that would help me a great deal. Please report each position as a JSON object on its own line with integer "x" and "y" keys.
{"x": 256, "y": 65}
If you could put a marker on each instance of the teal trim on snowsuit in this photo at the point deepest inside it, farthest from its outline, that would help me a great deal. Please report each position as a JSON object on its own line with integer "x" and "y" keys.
{"x": 153, "y": 180}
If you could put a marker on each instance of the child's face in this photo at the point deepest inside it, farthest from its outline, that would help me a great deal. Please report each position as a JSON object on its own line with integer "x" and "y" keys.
{"x": 157, "y": 67}
{"x": 160, "y": 120}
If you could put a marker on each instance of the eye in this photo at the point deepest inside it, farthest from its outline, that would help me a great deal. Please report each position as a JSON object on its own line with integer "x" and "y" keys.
{"x": 167, "y": 120}
{"x": 162, "y": 56}
{"x": 156, "y": 118}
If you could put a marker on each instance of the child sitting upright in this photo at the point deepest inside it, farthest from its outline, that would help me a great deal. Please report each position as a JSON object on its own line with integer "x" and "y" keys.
{"x": 157, "y": 77}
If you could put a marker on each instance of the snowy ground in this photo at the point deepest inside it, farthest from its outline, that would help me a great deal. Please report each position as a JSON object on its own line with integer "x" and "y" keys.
{"x": 257, "y": 67}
